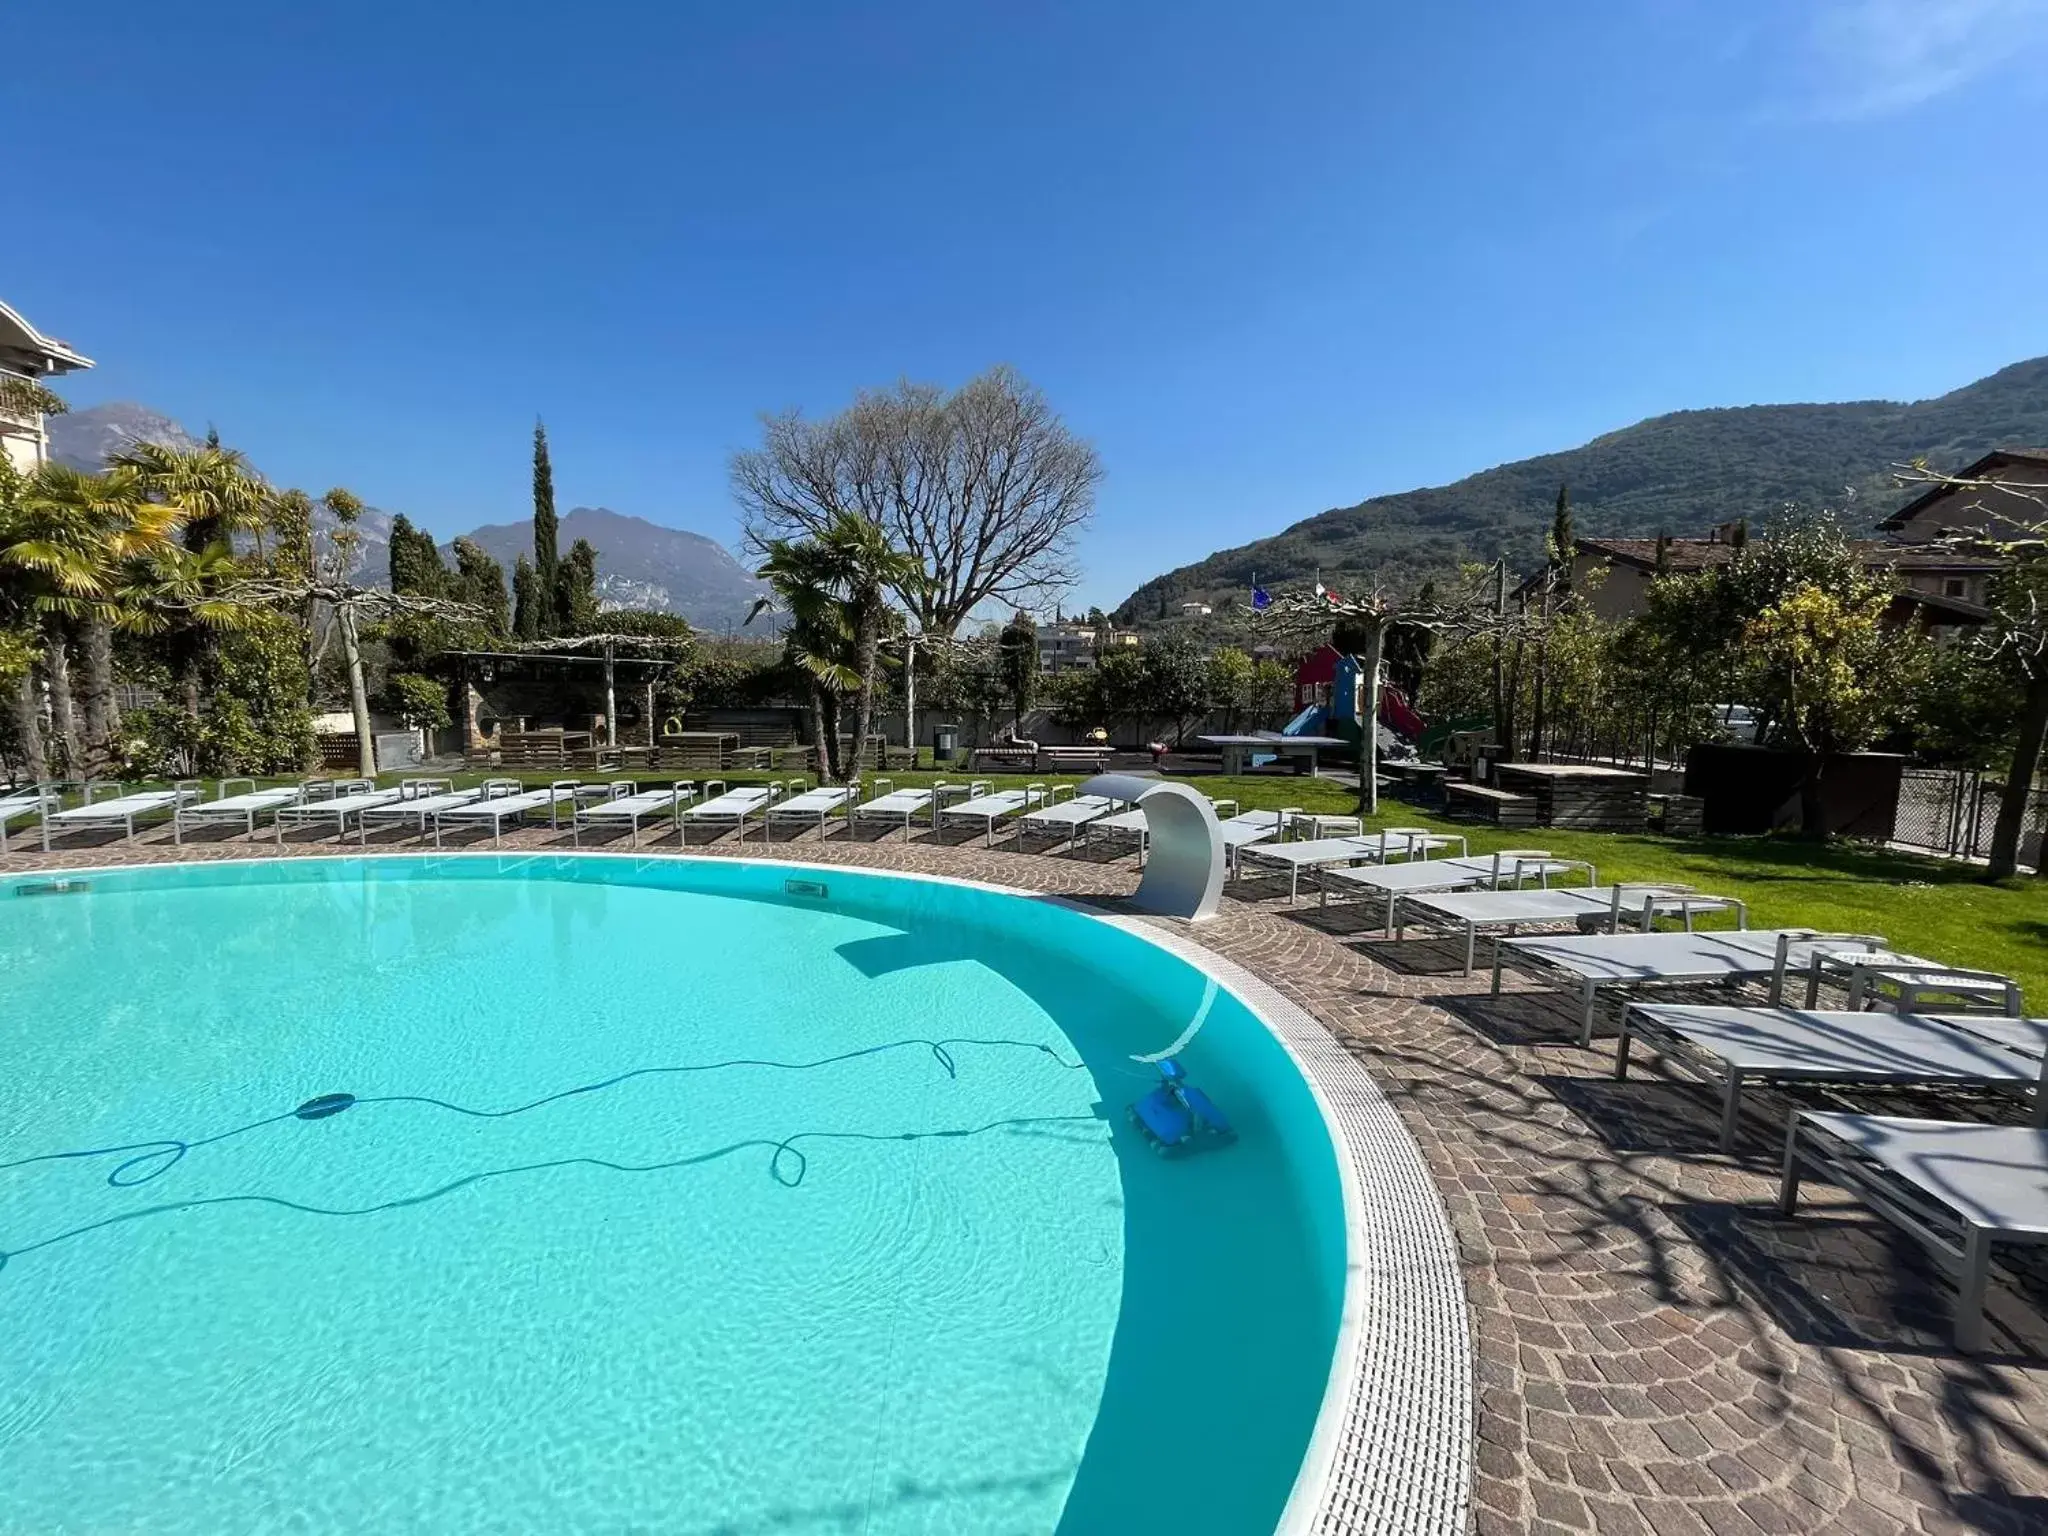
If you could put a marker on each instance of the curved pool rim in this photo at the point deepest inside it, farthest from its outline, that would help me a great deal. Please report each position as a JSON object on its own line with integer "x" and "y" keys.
{"x": 1392, "y": 1445}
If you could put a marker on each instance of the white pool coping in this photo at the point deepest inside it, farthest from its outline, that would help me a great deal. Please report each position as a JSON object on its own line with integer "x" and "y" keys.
{"x": 1392, "y": 1446}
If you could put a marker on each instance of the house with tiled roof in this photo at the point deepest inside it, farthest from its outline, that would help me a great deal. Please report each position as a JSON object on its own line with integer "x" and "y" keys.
{"x": 1938, "y": 588}
{"x": 2005, "y": 486}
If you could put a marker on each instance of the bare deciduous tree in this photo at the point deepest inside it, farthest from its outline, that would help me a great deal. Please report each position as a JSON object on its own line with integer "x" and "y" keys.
{"x": 985, "y": 486}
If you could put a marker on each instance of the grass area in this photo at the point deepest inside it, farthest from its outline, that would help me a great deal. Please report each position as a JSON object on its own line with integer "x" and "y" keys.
{"x": 1941, "y": 909}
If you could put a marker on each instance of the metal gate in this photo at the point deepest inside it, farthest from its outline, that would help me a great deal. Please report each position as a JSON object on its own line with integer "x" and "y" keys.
{"x": 1952, "y": 812}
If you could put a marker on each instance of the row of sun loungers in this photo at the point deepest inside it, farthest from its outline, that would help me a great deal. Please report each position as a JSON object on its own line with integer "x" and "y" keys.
{"x": 1908, "y": 1023}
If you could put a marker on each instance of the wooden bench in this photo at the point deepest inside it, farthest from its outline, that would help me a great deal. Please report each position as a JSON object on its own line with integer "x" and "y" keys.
{"x": 1482, "y": 802}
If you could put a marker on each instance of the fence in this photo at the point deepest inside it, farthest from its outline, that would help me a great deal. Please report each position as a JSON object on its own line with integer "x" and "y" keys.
{"x": 1951, "y": 812}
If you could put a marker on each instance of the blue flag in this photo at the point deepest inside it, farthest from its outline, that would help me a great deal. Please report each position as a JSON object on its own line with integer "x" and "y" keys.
{"x": 1260, "y": 599}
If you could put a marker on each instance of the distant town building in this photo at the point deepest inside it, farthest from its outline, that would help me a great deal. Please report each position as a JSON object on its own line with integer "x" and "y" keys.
{"x": 26, "y": 354}
{"x": 1196, "y": 610}
{"x": 1070, "y": 643}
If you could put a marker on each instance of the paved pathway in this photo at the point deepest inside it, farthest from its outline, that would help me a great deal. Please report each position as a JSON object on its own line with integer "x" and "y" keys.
{"x": 1658, "y": 1352}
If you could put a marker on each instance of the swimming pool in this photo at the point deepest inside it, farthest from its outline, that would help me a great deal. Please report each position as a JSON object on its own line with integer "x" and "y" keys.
{"x": 679, "y": 1195}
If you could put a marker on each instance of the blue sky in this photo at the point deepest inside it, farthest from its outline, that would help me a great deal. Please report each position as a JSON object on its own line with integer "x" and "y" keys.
{"x": 1271, "y": 259}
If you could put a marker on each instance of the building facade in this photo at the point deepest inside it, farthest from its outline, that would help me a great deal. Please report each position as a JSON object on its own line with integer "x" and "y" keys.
{"x": 27, "y": 359}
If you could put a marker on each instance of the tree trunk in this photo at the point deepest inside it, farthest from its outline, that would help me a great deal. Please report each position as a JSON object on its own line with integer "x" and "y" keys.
{"x": 867, "y": 661}
{"x": 1369, "y": 721}
{"x": 818, "y": 734}
{"x": 2019, "y": 782}
{"x": 96, "y": 693}
{"x": 25, "y": 705}
{"x": 910, "y": 697}
{"x": 611, "y": 698}
{"x": 358, "y": 696}
{"x": 1501, "y": 724}
{"x": 1812, "y": 815}
{"x": 832, "y": 769}
{"x": 63, "y": 711}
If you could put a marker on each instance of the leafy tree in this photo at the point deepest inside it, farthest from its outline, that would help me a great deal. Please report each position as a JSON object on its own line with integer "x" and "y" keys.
{"x": 1176, "y": 680}
{"x": 418, "y": 701}
{"x": 1270, "y": 698}
{"x": 1229, "y": 683}
{"x": 546, "y": 537}
{"x": 1123, "y": 686}
{"x": 1823, "y": 665}
{"x": 527, "y": 601}
{"x": 2017, "y": 641}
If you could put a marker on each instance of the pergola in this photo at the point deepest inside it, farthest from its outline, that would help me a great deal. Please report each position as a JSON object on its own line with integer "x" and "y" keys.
{"x": 570, "y": 652}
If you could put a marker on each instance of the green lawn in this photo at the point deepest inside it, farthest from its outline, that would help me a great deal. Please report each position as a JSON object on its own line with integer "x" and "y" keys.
{"x": 1940, "y": 909}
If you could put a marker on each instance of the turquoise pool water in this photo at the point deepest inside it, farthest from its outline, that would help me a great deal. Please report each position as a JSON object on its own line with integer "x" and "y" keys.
{"x": 671, "y": 1201}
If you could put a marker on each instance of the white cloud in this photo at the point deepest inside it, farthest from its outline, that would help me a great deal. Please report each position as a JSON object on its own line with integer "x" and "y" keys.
{"x": 1883, "y": 56}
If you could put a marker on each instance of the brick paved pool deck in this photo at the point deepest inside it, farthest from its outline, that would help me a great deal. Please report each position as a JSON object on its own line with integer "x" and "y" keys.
{"x": 1657, "y": 1350}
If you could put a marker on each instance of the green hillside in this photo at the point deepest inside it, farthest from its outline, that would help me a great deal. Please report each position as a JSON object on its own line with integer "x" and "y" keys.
{"x": 1677, "y": 474}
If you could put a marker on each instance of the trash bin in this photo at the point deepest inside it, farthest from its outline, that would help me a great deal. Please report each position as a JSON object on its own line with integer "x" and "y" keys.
{"x": 945, "y": 743}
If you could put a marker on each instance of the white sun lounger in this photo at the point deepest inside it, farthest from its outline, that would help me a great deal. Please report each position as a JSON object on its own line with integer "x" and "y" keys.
{"x": 123, "y": 811}
{"x": 1616, "y": 961}
{"x": 1732, "y": 1048}
{"x": 991, "y": 809}
{"x": 511, "y": 804}
{"x": 1373, "y": 847}
{"x": 1064, "y": 819}
{"x": 418, "y": 809}
{"x": 632, "y": 809}
{"x": 16, "y": 804}
{"x": 351, "y": 798}
{"x": 1507, "y": 868}
{"x": 1602, "y": 908}
{"x": 244, "y": 808}
{"x": 812, "y": 805}
{"x": 1957, "y": 1188}
{"x": 896, "y": 805}
{"x": 734, "y": 808}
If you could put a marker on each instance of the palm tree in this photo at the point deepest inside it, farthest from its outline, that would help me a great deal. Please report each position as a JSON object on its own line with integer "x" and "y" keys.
{"x": 221, "y": 498}
{"x": 817, "y": 640}
{"x": 833, "y": 588}
{"x": 867, "y": 568}
{"x": 101, "y": 522}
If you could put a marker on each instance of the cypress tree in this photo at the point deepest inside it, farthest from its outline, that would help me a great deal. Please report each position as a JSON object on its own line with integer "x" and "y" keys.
{"x": 576, "y": 591}
{"x": 526, "y": 601}
{"x": 481, "y": 580}
{"x": 1561, "y": 538}
{"x": 546, "y": 531}
{"x": 416, "y": 567}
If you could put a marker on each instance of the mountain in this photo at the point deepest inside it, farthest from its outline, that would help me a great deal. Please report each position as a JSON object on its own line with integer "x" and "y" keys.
{"x": 643, "y": 565}
{"x": 1678, "y": 474}
{"x": 87, "y": 439}
{"x": 639, "y": 564}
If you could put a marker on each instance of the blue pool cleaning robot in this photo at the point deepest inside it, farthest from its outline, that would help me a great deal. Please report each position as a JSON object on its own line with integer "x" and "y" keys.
{"x": 1176, "y": 1116}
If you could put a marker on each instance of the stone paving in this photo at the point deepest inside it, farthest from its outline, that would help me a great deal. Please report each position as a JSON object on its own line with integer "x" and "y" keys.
{"x": 1658, "y": 1351}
